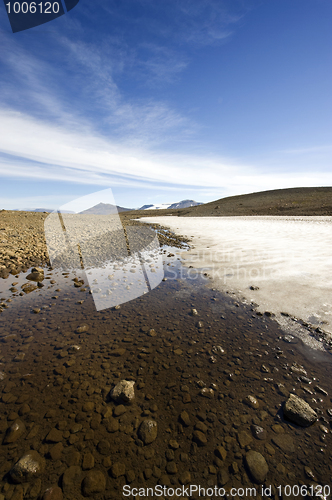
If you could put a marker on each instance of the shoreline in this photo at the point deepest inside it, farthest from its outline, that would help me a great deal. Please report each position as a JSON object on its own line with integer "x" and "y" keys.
{"x": 236, "y": 254}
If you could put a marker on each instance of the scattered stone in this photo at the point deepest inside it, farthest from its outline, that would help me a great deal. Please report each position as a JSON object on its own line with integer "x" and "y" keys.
{"x": 171, "y": 468}
{"x": 258, "y": 432}
{"x": 185, "y": 478}
{"x": 94, "y": 482}
{"x": 223, "y": 477}
{"x": 118, "y": 470}
{"x": 130, "y": 476}
{"x": 119, "y": 410}
{"x": 82, "y": 329}
{"x": 308, "y": 472}
{"x": 29, "y": 287}
{"x": 251, "y": 401}
{"x": 112, "y": 425}
{"x": 257, "y": 466}
{"x": 199, "y": 438}
{"x": 221, "y": 453}
{"x": 321, "y": 390}
{"x": 14, "y": 432}
{"x": 299, "y": 411}
{"x": 184, "y": 418}
{"x": 123, "y": 392}
{"x": 244, "y": 439}
{"x": 148, "y": 431}
{"x": 173, "y": 444}
{"x": 29, "y": 466}
{"x": 71, "y": 481}
{"x": 217, "y": 349}
{"x": 53, "y": 493}
{"x": 207, "y": 392}
{"x": 284, "y": 442}
{"x": 54, "y": 436}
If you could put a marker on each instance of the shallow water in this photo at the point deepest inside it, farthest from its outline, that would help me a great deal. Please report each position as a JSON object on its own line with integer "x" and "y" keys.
{"x": 287, "y": 259}
{"x": 56, "y": 378}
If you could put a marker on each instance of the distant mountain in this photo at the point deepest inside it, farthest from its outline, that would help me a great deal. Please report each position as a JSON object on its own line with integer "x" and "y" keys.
{"x": 185, "y": 204}
{"x": 163, "y": 206}
{"x": 105, "y": 209}
{"x": 33, "y": 210}
{"x": 160, "y": 206}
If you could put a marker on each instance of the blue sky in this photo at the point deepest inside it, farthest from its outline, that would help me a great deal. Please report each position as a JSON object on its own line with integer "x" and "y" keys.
{"x": 163, "y": 100}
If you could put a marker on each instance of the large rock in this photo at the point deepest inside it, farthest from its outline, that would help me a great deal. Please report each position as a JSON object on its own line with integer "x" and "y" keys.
{"x": 14, "y": 432}
{"x": 123, "y": 392}
{"x": 29, "y": 466}
{"x": 94, "y": 482}
{"x": 147, "y": 431}
{"x": 298, "y": 411}
{"x": 257, "y": 466}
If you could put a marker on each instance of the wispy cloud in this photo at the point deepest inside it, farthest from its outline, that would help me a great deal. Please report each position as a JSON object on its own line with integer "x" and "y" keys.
{"x": 38, "y": 150}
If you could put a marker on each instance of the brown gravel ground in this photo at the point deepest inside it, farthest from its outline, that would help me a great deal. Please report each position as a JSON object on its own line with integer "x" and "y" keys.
{"x": 23, "y": 245}
{"x": 22, "y": 239}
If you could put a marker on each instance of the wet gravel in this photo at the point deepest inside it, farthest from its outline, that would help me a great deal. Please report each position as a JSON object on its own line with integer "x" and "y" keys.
{"x": 210, "y": 377}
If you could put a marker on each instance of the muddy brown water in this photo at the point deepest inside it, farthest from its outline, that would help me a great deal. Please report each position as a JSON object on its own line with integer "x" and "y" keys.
{"x": 61, "y": 394}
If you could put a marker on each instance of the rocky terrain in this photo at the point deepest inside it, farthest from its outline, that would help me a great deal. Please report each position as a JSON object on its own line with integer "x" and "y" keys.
{"x": 179, "y": 387}
{"x": 22, "y": 238}
{"x": 294, "y": 201}
{"x": 23, "y": 244}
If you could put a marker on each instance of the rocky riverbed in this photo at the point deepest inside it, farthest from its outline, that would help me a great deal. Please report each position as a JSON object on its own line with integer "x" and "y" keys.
{"x": 23, "y": 243}
{"x": 182, "y": 386}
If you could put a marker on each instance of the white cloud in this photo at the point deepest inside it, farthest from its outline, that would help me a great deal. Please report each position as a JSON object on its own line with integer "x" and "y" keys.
{"x": 79, "y": 156}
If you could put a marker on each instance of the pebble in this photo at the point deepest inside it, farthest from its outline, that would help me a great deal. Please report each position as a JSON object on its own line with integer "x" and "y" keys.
{"x": 82, "y": 329}
{"x": 258, "y": 432}
{"x": 207, "y": 392}
{"x": 118, "y": 469}
{"x": 299, "y": 411}
{"x": 148, "y": 431}
{"x": 94, "y": 482}
{"x": 123, "y": 392}
{"x": 223, "y": 477}
{"x": 199, "y": 438}
{"x": 184, "y": 418}
{"x": 284, "y": 442}
{"x": 54, "y": 436}
{"x": 251, "y": 401}
{"x": 220, "y": 453}
{"x": 53, "y": 493}
{"x": 71, "y": 481}
{"x": 244, "y": 439}
{"x": 257, "y": 466}
{"x": 14, "y": 432}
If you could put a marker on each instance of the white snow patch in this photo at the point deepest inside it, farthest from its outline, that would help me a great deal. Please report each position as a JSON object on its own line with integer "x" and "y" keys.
{"x": 288, "y": 258}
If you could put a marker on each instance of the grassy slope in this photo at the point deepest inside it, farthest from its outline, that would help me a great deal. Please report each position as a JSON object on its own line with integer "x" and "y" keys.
{"x": 294, "y": 201}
